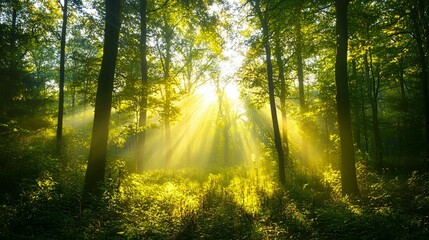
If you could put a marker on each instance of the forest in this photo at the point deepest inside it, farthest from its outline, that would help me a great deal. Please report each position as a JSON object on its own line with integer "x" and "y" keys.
{"x": 214, "y": 119}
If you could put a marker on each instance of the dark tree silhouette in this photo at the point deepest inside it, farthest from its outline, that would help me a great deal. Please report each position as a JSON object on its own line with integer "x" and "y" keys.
{"x": 144, "y": 75}
{"x": 61, "y": 86}
{"x": 263, "y": 18}
{"x": 348, "y": 168}
{"x": 94, "y": 178}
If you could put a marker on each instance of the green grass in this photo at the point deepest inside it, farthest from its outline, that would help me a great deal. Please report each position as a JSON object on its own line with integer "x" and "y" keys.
{"x": 242, "y": 202}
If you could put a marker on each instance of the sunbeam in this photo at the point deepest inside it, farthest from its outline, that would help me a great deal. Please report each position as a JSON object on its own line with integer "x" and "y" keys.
{"x": 212, "y": 130}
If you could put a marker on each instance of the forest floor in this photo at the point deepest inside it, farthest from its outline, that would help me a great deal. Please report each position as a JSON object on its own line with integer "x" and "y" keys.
{"x": 41, "y": 199}
{"x": 235, "y": 203}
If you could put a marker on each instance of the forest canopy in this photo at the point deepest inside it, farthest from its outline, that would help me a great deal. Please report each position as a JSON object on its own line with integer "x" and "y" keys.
{"x": 214, "y": 119}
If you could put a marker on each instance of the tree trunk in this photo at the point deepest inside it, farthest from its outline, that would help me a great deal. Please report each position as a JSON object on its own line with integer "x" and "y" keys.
{"x": 283, "y": 107}
{"x": 356, "y": 107}
{"x": 378, "y": 154}
{"x": 61, "y": 86}
{"x": 168, "y": 91}
{"x": 73, "y": 90}
{"x": 8, "y": 89}
{"x": 348, "y": 168}
{"x": 226, "y": 143}
{"x": 300, "y": 65}
{"x": 363, "y": 112}
{"x": 423, "y": 12}
{"x": 403, "y": 108}
{"x": 94, "y": 178}
{"x": 402, "y": 84}
{"x": 378, "y": 147}
{"x": 423, "y": 76}
{"x": 263, "y": 18}
{"x": 144, "y": 79}
{"x": 301, "y": 92}
{"x": 328, "y": 142}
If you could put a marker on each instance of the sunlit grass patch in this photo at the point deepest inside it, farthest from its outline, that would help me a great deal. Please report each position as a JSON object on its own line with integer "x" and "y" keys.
{"x": 242, "y": 202}
{"x": 157, "y": 203}
{"x": 249, "y": 188}
{"x": 245, "y": 195}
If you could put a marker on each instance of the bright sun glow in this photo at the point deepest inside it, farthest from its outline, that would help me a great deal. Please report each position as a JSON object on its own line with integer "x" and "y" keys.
{"x": 209, "y": 94}
{"x": 232, "y": 92}
{"x": 208, "y": 131}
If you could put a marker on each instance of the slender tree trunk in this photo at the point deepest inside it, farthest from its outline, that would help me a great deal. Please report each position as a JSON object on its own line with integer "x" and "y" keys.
{"x": 85, "y": 94}
{"x": 226, "y": 143}
{"x": 168, "y": 101}
{"x": 373, "y": 92}
{"x": 301, "y": 92}
{"x": 300, "y": 66}
{"x": 73, "y": 85}
{"x": 61, "y": 86}
{"x": 95, "y": 172}
{"x": 223, "y": 113}
{"x": 144, "y": 79}
{"x": 402, "y": 83}
{"x": 188, "y": 87}
{"x": 221, "y": 119}
{"x": 328, "y": 144}
{"x": 167, "y": 140}
{"x": 263, "y": 18}
{"x": 356, "y": 107}
{"x": 404, "y": 108}
{"x": 378, "y": 154}
{"x": 73, "y": 90}
{"x": 363, "y": 112}
{"x": 348, "y": 168}
{"x": 423, "y": 76}
{"x": 283, "y": 107}
{"x": 423, "y": 11}
{"x": 9, "y": 88}
{"x": 378, "y": 146}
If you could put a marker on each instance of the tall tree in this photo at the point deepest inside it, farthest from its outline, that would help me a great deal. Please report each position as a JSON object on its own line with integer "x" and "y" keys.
{"x": 168, "y": 37}
{"x": 13, "y": 68}
{"x": 283, "y": 107}
{"x": 300, "y": 71}
{"x": 94, "y": 178}
{"x": 144, "y": 79}
{"x": 263, "y": 19}
{"x": 374, "y": 84}
{"x": 61, "y": 85}
{"x": 419, "y": 26}
{"x": 348, "y": 168}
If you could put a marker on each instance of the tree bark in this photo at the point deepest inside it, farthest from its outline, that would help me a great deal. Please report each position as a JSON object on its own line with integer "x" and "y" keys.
{"x": 300, "y": 64}
{"x": 423, "y": 75}
{"x": 167, "y": 107}
{"x": 301, "y": 92}
{"x": 61, "y": 85}
{"x": 356, "y": 106}
{"x": 263, "y": 18}
{"x": 283, "y": 107}
{"x": 94, "y": 178}
{"x": 363, "y": 112}
{"x": 348, "y": 168}
{"x": 9, "y": 89}
{"x": 378, "y": 146}
{"x": 144, "y": 79}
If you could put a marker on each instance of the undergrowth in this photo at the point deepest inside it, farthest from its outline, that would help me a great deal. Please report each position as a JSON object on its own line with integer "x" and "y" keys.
{"x": 242, "y": 202}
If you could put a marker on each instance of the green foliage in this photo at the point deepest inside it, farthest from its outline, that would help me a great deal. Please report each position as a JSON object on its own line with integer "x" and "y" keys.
{"x": 244, "y": 202}
{"x": 389, "y": 208}
{"x": 23, "y": 156}
{"x": 40, "y": 192}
